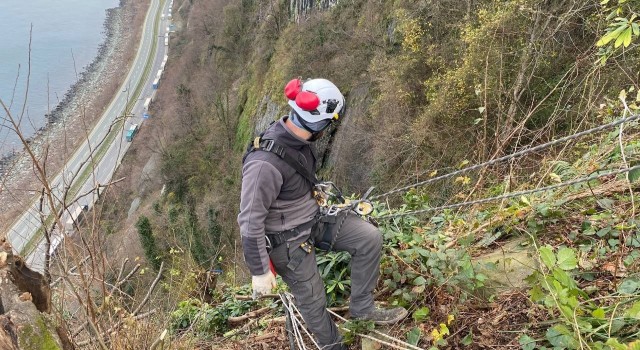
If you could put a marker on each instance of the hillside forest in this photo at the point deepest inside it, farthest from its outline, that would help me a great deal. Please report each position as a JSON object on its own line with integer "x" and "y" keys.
{"x": 482, "y": 258}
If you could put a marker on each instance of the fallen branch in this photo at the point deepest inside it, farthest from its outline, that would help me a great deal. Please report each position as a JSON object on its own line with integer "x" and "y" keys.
{"x": 260, "y": 338}
{"x": 248, "y": 315}
{"x": 249, "y": 297}
{"x": 159, "y": 341}
{"x": 241, "y": 329}
{"x": 153, "y": 286}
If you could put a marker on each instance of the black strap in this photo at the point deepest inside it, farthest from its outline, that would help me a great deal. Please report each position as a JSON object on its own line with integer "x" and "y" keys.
{"x": 277, "y": 238}
{"x": 298, "y": 255}
{"x": 273, "y": 146}
{"x": 284, "y": 153}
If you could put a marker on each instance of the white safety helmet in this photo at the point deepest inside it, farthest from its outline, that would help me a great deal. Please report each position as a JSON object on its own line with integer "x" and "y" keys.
{"x": 316, "y": 101}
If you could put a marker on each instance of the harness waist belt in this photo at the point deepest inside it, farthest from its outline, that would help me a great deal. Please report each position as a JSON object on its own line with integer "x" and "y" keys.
{"x": 277, "y": 238}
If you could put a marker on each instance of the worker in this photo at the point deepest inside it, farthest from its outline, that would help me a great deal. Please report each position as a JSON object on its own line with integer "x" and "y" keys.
{"x": 280, "y": 221}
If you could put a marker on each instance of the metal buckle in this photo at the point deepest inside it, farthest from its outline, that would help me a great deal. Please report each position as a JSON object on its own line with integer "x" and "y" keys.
{"x": 332, "y": 210}
{"x": 268, "y": 244}
{"x": 268, "y": 145}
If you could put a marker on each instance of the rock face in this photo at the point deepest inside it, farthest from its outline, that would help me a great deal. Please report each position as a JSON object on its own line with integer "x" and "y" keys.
{"x": 300, "y": 9}
{"x": 24, "y": 303}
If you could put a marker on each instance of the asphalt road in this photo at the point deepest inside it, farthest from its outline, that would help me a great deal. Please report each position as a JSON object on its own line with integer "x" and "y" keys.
{"x": 26, "y": 235}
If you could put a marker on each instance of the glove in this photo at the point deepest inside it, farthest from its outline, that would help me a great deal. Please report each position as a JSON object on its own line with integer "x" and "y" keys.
{"x": 263, "y": 284}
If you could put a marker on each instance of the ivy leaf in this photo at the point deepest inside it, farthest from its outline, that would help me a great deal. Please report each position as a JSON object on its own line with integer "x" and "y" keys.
{"x": 629, "y": 286}
{"x": 527, "y": 342}
{"x": 567, "y": 259}
{"x": 547, "y": 256}
{"x": 419, "y": 281}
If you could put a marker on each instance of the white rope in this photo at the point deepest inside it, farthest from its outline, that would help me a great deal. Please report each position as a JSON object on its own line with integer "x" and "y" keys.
{"x": 407, "y": 345}
{"x": 295, "y": 323}
{"x": 513, "y": 194}
{"x": 293, "y": 306}
{"x": 512, "y": 156}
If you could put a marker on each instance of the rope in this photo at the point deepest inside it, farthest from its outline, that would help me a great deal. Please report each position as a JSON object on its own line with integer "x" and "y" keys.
{"x": 407, "y": 345}
{"x": 513, "y": 194}
{"x": 511, "y": 156}
{"x": 289, "y": 306}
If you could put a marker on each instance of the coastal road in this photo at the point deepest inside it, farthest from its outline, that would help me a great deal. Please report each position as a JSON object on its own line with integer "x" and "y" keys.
{"x": 95, "y": 161}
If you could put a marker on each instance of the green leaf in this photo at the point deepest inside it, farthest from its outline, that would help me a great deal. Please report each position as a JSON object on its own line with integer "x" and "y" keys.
{"x": 396, "y": 276}
{"x": 547, "y": 256}
{"x": 634, "y": 311}
{"x": 536, "y": 294}
{"x": 567, "y": 259}
{"x": 621, "y": 37}
{"x": 614, "y": 344}
{"x": 626, "y": 37}
{"x": 603, "y": 231}
{"x": 421, "y": 314}
{"x": 468, "y": 339}
{"x": 634, "y": 175}
{"x": 629, "y": 286}
{"x": 610, "y": 36}
{"x": 413, "y": 336}
{"x": 564, "y": 278}
{"x": 559, "y": 336}
{"x": 598, "y": 313}
{"x": 527, "y": 342}
{"x": 419, "y": 281}
{"x": 636, "y": 30}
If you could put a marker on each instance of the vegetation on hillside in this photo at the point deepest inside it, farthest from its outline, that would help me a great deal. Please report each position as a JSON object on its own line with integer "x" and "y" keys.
{"x": 432, "y": 87}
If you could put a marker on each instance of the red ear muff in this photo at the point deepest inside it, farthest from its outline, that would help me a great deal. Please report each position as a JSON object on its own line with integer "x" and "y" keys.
{"x": 308, "y": 101}
{"x": 292, "y": 88}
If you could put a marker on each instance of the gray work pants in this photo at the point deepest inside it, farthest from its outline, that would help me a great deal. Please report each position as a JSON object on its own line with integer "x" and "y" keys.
{"x": 363, "y": 242}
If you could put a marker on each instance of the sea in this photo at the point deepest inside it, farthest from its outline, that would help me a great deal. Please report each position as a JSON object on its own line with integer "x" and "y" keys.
{"x": 65, "y": 36}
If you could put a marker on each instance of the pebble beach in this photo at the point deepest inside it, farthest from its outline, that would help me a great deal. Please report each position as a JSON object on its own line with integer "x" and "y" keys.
{"x": 76, "y": 112}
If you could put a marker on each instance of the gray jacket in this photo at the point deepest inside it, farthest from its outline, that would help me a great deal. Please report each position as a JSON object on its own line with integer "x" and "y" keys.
{"x": 274, "y": 196}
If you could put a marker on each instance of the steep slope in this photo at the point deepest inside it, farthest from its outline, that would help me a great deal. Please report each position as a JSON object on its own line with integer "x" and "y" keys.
{"x": 431, "y": 87}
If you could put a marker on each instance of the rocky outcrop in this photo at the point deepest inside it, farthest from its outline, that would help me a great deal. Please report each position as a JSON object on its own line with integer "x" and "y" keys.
{"x": 301, "y": 9}
{"x": 25, "y": 300}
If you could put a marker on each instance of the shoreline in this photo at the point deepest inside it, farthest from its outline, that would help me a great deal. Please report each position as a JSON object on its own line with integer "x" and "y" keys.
{"x": 72, "y": 99}
{"x": 74, "y": 116}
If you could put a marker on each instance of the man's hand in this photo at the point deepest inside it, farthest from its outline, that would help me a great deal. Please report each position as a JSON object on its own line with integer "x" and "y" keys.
{"x": 263, "y": 284}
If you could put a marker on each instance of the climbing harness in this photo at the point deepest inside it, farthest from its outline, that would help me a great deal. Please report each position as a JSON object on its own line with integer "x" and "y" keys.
{"x": 333, "y": 216}
{"x": 284, "y": 152}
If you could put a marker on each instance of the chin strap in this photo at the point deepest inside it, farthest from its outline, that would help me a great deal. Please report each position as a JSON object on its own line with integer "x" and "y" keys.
{"x": 300, "y": 122}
